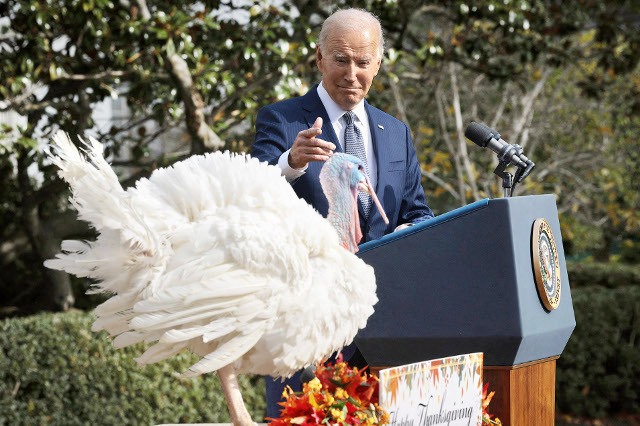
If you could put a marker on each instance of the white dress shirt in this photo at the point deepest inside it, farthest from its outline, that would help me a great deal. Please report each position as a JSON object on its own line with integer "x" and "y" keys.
{"x": 335, "y": 113}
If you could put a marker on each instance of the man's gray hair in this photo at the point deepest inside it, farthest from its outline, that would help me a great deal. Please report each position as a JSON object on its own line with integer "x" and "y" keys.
{"x": 350, "y": 19}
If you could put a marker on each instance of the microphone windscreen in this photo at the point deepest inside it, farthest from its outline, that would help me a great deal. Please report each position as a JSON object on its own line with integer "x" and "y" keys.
{"x": 494, "y": 132}
{"x": 479, "y": 134}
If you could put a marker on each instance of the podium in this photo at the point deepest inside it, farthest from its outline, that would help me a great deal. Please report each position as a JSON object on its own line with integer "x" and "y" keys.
{"x": 465, "y": 282}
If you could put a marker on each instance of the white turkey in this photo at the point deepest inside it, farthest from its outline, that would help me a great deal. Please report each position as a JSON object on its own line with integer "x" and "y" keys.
{"x": 217, "y": 255}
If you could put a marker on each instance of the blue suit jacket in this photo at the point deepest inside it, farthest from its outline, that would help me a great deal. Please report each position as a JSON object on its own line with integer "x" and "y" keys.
{"x": 399, "y": 179}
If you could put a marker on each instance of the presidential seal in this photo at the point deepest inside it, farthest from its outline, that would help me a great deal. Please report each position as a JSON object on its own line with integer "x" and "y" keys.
{"x": 546, "y": 266}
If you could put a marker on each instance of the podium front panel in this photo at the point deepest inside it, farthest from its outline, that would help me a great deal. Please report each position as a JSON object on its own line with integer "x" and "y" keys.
{"x": 464, "y": 283}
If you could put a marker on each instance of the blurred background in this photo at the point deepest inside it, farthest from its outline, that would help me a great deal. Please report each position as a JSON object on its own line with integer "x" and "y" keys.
{"x": 157, "y": 81}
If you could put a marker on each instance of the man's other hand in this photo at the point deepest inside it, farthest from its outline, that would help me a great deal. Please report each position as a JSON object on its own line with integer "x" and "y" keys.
{"x": 307, "y": 147}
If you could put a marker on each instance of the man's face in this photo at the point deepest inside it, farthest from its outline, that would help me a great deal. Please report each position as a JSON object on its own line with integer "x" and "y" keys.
{"x": 348, "y": 64}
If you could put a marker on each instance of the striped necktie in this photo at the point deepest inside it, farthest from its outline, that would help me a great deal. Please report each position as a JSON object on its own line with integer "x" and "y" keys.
{"x": 354, "y": 145}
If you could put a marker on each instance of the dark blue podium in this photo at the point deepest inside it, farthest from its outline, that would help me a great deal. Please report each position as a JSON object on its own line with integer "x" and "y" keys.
{"x": 464, "y": 282}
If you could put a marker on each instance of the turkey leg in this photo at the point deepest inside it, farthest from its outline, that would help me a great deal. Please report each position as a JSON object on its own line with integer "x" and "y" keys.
{"x": 238, "y": 412}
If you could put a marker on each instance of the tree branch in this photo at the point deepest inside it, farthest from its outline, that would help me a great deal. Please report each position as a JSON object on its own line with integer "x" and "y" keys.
{"x": 201, "y": 134}
{"x": 24, "y": 109}
{"x": 44, "y": 243}
{"x": 449, "y": 143}
{"x": 397, "y": 97}
{"x": 462, "y": 143}
{"x": 527, "y": 109}
{"x": 240, "y": 93}
{"x": 144, "y": 10}
{"x": 105, "y": 75}
{"x": 20, "y": 99}
{"x": 474, "y": 91}
{"x": 503, "y": 102}
{"x": 130, "y": 125}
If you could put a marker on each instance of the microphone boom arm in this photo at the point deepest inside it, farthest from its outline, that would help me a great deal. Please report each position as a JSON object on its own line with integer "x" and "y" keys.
{"x": 507, "y": 178}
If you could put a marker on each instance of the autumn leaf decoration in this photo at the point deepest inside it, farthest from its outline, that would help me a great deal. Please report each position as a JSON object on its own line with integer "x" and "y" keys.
{"x": 337, "y": 395}
{"x": 486, "y": 399}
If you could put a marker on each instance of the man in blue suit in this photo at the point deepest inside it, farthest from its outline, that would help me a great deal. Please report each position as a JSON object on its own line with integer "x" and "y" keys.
{"x": 349, "y": 53}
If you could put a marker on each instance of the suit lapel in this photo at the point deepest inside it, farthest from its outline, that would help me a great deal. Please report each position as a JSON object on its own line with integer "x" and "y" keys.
{"x": 313, "y": 108}
{"x": 381, "y": 148}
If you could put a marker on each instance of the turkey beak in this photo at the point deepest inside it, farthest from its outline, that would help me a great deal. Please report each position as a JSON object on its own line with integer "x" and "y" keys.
{"x": 366, "y": 187}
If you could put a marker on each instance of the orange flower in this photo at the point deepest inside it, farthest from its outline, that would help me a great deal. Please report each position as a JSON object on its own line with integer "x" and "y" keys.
{"x": 314, "y": 385}
{"x": 345, "y": 395}
{"x": 341, "y": 394}
{"x": 486, "y": 399}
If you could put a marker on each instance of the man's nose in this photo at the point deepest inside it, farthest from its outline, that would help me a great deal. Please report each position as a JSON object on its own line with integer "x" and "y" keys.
{"x": 350, "y": 74}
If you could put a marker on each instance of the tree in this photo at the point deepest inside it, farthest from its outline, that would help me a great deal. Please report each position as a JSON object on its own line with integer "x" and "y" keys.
{"x": 541, "y": 72}
{"x": 547, "y": 76}
{"x": 203, "y": 67}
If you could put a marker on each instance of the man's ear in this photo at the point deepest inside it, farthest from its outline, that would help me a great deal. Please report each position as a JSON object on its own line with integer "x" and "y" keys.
{"x": 319, "y": 58}
{"x": 378, "y": 66}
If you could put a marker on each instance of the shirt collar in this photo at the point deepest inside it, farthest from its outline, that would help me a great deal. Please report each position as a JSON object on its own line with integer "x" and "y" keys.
{"x": 334, "y": 111}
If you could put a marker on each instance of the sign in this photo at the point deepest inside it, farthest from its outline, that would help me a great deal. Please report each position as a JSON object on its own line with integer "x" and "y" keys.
{"x": 546, "y": 266}
{"x": 446, "y": 391}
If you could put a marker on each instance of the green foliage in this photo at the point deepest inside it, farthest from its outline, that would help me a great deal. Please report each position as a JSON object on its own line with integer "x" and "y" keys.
{"x": 599, "y": 199}
{"x": 83, "y": 52}
{"x": 60, "y": 60}
{"x": 585, "y": 53}
{"x": 500, "y": 39}
{"x": 630, "y": 251}
{"x": 610, "y": 275}
{"x": 54, "y": 370}
{"x": 598, "y": 371}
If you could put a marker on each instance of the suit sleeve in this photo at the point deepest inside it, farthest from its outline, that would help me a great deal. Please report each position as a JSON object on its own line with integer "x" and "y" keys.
{"x": 413, "y": 208}
{"x": 270, "y": 140}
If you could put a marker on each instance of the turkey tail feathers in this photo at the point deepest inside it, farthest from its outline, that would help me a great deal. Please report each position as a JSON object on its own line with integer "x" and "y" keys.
{"x": 96, "y": 192}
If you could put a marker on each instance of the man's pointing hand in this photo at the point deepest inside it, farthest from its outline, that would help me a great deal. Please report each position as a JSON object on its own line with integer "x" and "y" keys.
{"x": 307, "y": 147}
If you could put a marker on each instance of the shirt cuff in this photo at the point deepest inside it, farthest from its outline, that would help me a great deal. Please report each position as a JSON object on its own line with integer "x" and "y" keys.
{"x": 289, "y": 173}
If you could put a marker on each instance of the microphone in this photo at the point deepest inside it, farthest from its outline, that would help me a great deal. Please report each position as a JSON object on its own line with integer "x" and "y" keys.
{"x": 486, "y": 137}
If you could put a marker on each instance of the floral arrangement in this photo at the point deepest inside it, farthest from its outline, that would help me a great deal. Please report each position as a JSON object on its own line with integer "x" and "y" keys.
{"x": 486, "y": 399}
{"x": 337, "y": 395}
{"x": 340, "y": 395}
